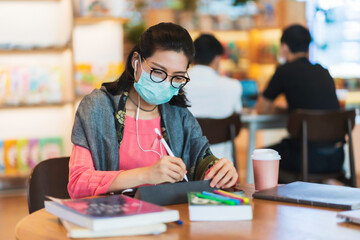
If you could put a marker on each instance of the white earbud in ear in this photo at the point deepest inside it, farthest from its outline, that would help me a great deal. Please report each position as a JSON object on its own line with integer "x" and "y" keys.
{"x": 135, "y": 67}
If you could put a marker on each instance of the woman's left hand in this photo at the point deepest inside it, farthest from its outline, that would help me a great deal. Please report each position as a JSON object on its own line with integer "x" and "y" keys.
{"x": 223, "y": 174}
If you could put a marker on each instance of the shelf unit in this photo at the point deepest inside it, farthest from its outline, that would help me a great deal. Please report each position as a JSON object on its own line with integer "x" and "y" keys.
{"x": 39, "y": 119}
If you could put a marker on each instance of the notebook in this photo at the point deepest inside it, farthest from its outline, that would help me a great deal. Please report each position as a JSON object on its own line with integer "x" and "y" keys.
{"x": 350, "y": 216}
{"x": 110, "y": 212}
{"x": 314, "y": 194}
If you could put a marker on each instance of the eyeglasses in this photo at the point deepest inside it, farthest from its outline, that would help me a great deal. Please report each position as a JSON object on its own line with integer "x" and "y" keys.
{"x": 158, "y": 75}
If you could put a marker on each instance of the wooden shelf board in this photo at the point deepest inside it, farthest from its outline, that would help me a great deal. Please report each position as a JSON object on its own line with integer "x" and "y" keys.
{"x": 261, "y": 28}
{"x": 59, "y": 104}
{"x": 92, "y": 20}
{"x": 17, "y": 175}
{"x": 35, "y": 50}
{"x": 30, "y": 0}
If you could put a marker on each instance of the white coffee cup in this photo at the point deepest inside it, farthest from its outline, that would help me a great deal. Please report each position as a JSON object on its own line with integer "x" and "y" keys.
{"x": 266, "y": 168}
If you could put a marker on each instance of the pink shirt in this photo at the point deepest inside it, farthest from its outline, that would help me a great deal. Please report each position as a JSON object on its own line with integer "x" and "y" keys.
{"x": 84, "y": 180}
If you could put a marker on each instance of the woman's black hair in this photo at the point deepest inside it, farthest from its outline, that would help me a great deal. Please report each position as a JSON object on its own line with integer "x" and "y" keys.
{"x": 163, "y": 36}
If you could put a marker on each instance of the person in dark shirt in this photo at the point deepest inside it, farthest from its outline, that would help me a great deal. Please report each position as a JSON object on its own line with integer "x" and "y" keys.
{"x": 305, "y": 86}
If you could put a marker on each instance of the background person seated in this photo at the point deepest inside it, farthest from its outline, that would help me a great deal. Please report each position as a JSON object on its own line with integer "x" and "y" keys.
{"x": 212, "y": 95}
{"x": 305, "y": 86}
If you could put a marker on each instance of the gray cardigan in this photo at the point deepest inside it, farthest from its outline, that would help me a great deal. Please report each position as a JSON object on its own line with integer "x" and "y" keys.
{"x": 95, "y": 129}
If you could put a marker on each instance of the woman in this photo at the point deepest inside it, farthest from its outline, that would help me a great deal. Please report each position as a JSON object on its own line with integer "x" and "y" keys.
{"x": 115, "y": 145}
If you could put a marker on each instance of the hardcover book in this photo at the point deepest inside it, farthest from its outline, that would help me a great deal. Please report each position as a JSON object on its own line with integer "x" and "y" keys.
{"x": 110, "y": 212}
{"x": 2, "y": 157}
{"x": 201, "y": 209}
{"x": 10, "y": 156}
{"x": 34, "y": 152}
{"x": 50, "y": 148}
{"x": 23, "y": 155}
{"x": 313, "y": 194}
{"x": 352, "y": 216}
{"x": 75, "y": 231}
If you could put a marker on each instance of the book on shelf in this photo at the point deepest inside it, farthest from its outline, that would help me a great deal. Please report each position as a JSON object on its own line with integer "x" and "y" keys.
{"x": 109, "y": 212}
{"x": 23, "y": 155}
{"x": 10, "y": 156}
{"x": 2, "y": 157}
{"x": 202, "y": 209}
{"x": 29, "y": 85}
{"x": 314, "y": 194}
{"x": 34, "y": 152}
{"x": 75, "y": 231}
{"x": 50, "y": 148}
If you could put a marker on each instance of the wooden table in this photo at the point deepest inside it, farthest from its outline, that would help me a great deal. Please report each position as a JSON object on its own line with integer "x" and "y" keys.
{"x": 254, "y": 122}
{"x": 271, "y": 220}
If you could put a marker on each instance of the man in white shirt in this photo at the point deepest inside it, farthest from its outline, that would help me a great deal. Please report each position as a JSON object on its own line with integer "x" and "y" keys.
{"x": 212, "y": 95}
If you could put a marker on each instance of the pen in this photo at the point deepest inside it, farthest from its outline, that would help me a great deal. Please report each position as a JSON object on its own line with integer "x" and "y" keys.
{"x": 228, "y": 202}
{"x": 179, "y": 222}
{"x": 237, "y": 201}
{"x": 231, "y": 195}
{"x": 162, "y": 140}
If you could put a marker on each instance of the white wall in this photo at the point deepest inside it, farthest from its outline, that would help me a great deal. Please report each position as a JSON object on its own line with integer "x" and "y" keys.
{"x": 35, "y": 23}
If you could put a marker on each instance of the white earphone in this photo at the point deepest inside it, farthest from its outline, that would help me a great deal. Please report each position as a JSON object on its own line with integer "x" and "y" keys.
{"x": 135, "y": 67}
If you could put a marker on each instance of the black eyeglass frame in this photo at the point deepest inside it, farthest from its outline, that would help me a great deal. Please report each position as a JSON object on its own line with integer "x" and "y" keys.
{"x": 187, "y": 79}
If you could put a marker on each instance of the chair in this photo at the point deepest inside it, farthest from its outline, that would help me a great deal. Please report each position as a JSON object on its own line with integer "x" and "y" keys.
{"x": 316, "y": 126}
{"x": 49, "y": 177}
{"x": 221, "y": 130}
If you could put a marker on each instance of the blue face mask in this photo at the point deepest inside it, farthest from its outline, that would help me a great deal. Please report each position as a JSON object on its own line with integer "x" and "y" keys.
{"x": 152, "y": 92}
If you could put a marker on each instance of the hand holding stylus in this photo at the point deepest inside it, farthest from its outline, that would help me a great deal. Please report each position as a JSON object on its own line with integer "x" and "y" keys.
{"x": 164, "y": 143}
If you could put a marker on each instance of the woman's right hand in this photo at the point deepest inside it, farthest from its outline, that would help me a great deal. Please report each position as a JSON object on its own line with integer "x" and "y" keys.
{"x": 167, "y": 169}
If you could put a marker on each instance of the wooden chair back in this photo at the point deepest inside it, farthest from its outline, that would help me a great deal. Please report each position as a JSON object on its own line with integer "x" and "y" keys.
{"x": 49, "y": 177}
{"x": 317, "y": 126}
{"x": 221, "y": 130}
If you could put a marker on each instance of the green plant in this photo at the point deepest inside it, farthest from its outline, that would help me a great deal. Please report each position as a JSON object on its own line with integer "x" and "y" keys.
{"x": 133, "y": 31}
{"x": 190, "y": 5}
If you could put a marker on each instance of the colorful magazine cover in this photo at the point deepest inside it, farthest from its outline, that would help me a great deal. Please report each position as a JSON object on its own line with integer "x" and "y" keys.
{"x": 84, "y": 79}
{"x": 50, "y": 148}
{"x": 23, "y": 155}
{"x": 4, "y": 84}
{"x": 34, "y": 152}
{"x": 89, "y": 76}
{"x": 2, "y": 157}
{"x": 10, "y": 152}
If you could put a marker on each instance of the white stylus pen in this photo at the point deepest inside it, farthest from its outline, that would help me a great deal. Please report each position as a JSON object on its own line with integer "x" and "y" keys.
{"x": 167, "y": 147}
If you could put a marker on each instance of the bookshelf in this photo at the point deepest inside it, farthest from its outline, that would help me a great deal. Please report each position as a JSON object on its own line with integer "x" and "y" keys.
{"x": 36, "y": 72}
{"x": 48, "y": 119}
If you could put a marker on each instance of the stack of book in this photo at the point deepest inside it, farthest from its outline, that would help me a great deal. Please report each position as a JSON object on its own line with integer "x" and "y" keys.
{"x": 115, "y": 215}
